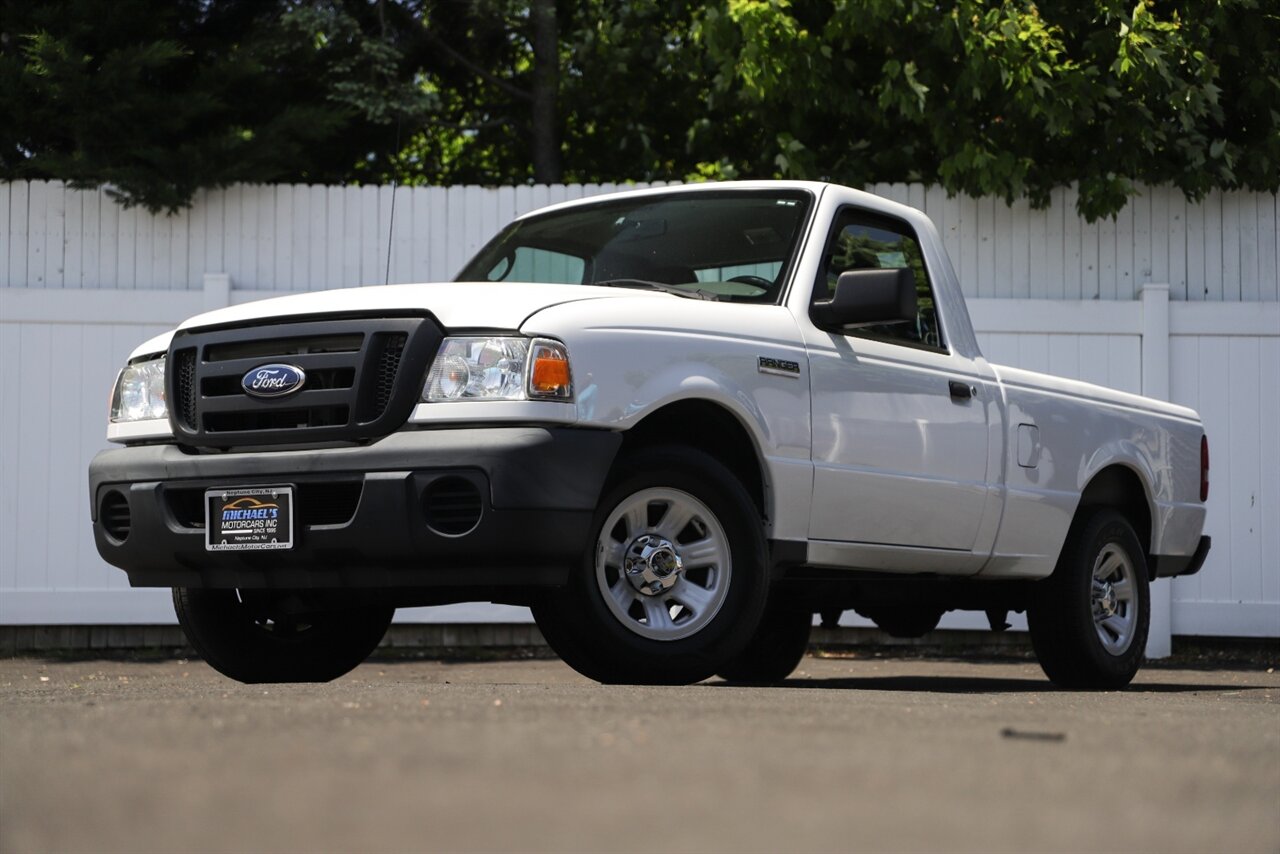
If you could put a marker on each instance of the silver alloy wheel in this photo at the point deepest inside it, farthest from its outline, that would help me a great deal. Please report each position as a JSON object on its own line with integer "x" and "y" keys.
{"x": 663, "y": 564}
{"x": 1112, "y": 597}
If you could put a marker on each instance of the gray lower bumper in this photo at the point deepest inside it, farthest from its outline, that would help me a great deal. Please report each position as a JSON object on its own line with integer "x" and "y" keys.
{"x": 537, "y": 489}
{"x": 1172, "y": 566}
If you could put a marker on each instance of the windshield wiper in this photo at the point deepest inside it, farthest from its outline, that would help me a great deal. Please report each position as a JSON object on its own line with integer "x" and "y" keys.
{"x": 695, "y": 293}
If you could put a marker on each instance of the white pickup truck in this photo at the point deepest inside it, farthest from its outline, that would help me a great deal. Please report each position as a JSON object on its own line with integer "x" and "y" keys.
{"x": 677, "y": 423}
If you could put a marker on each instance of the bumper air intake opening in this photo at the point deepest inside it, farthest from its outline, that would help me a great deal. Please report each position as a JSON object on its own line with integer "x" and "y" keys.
{"x": 452, "y": 505}
{"x": 114, "y": 515}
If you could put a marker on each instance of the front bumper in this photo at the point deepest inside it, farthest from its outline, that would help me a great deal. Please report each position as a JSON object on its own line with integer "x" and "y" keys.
{"x": 367, "y": 516}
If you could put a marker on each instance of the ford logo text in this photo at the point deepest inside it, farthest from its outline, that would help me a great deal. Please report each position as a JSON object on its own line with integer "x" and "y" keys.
{"x": 273, "y": 380}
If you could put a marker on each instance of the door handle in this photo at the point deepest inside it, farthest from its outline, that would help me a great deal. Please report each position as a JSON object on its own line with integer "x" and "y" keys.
{"x": 960, "y": 390}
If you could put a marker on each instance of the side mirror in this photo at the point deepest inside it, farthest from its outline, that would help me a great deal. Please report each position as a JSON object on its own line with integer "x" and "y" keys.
{"x": 867, "y": 298}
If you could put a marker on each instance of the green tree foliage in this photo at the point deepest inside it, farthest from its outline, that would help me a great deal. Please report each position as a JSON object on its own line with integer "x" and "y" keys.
{"x": 157, "y": 98}
{"x": 1007, "y": 98}
{"x": 477, "y": 60}
{"x": 634, "y": 93}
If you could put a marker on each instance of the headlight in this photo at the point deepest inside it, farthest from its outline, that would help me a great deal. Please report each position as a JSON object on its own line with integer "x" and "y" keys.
{"x": 139, "y": 392}
{"x": 492, "y": 368}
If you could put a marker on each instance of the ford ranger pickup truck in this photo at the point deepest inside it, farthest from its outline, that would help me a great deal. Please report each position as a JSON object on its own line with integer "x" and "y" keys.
{"x": 676, "y": 423}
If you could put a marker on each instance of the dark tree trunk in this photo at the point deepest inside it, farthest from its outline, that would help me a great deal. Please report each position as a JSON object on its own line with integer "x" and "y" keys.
{"x": 546, "y": 84}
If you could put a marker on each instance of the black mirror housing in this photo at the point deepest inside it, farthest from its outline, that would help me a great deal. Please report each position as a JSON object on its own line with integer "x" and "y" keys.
{"x": 867, "y": 298}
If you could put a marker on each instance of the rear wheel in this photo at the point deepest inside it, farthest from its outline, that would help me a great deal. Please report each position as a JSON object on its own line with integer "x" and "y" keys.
{"x": 1089, "y": 620}
{"x": 775, "y": 650}
{"x": 246, "y": 638}
{"x": 674, "y": 582}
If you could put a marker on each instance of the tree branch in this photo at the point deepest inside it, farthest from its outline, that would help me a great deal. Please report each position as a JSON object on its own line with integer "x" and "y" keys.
{"x": 465, "y": 126}
{"x": 498, "y": 82}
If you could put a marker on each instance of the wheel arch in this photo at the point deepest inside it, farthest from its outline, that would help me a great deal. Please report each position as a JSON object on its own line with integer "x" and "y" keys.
{"x": 711, "y": 428}
{"x": 1121, "y": 487}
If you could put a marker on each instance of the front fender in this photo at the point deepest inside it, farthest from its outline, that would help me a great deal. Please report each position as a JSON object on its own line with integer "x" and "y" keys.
{"x": 693, "y": 381}
{"x": 631, "y": 357}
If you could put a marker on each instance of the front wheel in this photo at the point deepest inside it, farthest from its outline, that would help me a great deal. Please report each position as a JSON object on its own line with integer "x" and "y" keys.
{"x": 243, "y": 636}
{"x": 674, "y": 582}
{"x": 775, "y": 650}
{"x": 1089, "y": 620}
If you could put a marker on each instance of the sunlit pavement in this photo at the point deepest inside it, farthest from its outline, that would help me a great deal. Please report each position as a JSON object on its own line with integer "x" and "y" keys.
{"x": 850, "y": 754}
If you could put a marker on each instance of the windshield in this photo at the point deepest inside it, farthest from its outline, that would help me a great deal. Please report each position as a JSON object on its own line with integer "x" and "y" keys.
{"x": 734, "y": 245}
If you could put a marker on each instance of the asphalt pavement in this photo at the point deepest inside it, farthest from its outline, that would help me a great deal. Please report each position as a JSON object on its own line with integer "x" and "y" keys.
{"x": 852, "y": 754}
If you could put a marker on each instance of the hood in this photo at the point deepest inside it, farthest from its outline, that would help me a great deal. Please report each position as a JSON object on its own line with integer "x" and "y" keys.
{"x": 456, "y": 305}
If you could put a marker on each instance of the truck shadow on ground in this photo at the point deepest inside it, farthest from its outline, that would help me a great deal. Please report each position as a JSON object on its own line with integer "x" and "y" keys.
{"x": 977, "y": 685}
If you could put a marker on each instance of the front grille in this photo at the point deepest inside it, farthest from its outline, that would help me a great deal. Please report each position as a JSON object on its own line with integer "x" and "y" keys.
{"x": 316, "y": 503}
{"x": 223, "y": 386}
{"x": 184, "y": 369}
{"x": 277, "y": 419}
{"x": 296, "y": 346}
{"x": 115, "y": 517}
{"x": 388, "y": 364}
{"x": 363, "y": 377}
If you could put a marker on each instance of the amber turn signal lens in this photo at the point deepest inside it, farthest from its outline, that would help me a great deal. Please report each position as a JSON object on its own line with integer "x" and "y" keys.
{"x": 549, "y": 376}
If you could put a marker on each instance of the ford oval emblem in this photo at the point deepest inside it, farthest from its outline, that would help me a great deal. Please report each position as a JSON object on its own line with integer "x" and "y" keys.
{"x": 273, "y": 380}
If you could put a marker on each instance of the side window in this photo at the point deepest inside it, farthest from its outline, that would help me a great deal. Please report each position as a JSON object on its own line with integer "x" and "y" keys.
{"x": 540, "y": 266}
{"x": 864, "y": 241}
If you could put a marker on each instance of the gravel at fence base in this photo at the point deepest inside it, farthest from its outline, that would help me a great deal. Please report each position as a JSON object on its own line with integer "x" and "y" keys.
{"x": 867, "y": 754}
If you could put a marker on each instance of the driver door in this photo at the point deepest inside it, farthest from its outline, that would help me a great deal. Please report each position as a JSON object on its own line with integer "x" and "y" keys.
{"x": 900, "y": 422}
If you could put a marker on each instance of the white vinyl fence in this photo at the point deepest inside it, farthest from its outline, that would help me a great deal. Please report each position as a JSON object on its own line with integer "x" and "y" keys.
{"x": 295, "y": 237}
{"x": 1220, "y": 355}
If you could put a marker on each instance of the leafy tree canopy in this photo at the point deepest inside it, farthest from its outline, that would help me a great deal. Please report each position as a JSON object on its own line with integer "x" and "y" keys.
{"x": 157, "y": 98}
{"x": 1007, "y": 98}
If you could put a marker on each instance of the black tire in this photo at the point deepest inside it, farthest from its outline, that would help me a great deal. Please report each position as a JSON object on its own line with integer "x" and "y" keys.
{"x": 245, "y": 644}
{"x": 1067, "y": 637}
{"x": 904, "y": 621}
{"x": 775, "y": 649}
{"x": 600, "y": 641}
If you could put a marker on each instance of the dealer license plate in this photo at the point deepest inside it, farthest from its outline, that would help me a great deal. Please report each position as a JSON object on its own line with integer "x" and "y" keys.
{"x": 255, "y": 518}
